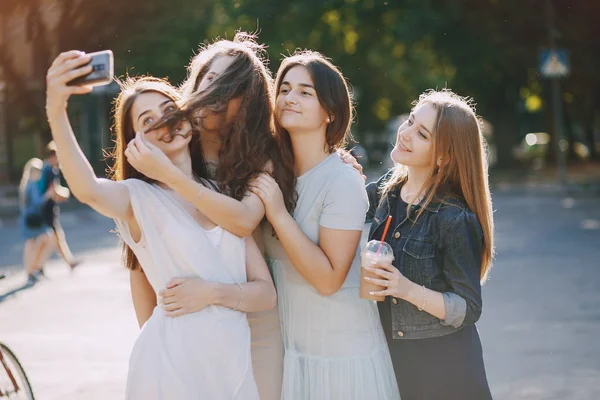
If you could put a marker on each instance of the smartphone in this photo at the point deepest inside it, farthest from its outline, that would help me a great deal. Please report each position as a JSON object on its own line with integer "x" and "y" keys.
{"x": 102, "y": 70}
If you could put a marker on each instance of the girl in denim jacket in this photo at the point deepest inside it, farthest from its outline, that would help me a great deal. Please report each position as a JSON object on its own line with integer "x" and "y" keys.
{"x": 442, "y": 236}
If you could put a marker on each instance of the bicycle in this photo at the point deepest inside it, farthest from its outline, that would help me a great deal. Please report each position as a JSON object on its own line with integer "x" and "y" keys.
{"x": 14, "y": 383}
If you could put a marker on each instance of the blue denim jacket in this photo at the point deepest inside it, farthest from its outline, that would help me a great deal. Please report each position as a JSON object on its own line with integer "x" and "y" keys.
{"x": 442, "y": 251}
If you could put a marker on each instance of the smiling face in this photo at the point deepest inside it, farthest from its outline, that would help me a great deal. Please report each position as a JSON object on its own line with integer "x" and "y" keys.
{"x": 297, "y": 105}
{"x": 415, "y": 140}
{"x": 147, "y": 110}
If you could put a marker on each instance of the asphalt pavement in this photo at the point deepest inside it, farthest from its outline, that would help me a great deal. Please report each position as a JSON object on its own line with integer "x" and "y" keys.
{"x": 541, "y": 318}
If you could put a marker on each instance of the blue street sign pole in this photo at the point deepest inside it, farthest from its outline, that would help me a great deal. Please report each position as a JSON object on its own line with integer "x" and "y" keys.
{"x": 558, "y": 127}
{"x": 556, "y": 98}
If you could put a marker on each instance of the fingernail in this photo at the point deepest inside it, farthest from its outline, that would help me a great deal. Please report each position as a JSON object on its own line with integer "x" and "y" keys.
{"x": 372, "y": 293}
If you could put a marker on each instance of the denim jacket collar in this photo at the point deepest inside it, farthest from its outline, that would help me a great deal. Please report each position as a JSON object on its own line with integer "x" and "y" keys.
{"x": 384, "y": 209}
{"x": 433, "y": 206}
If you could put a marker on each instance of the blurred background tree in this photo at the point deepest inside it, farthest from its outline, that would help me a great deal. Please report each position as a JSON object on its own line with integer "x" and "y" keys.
{"x": 390, "y": 51}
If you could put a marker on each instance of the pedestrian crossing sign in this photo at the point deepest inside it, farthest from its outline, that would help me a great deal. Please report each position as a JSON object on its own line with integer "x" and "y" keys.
{"x": 554, "y": 63}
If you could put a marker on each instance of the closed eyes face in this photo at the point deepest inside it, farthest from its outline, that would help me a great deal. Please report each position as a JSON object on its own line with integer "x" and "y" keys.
{"x": 414, "y": 143}
{"x": 217, "y": 67}
{"x": 147, "y": 110}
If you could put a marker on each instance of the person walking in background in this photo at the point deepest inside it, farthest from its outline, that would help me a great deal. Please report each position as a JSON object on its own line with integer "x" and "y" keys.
{"x": 442, "y": 237}
{"x": 50, "y": 179}
{"x": 39, "y": 243}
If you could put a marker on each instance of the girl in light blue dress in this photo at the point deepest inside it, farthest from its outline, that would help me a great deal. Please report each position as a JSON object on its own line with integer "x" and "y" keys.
{"x": 335, "y": 347}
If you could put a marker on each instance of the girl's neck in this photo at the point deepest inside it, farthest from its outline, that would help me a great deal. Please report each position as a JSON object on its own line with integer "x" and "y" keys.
{"x": 415, "y": 181}
{"x": 310, "y": 149}
{"x": 211, "y": 145}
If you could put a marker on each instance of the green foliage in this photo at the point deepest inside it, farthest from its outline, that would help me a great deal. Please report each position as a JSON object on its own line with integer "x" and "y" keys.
{"x": 390, "y": 51}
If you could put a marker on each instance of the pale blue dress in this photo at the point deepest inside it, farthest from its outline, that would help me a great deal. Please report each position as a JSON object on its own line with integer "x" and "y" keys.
{"x": 335, "y": 347}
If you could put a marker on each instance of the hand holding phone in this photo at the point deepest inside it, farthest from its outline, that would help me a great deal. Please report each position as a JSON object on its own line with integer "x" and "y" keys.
{"x": 75, "y": 73}
{"x": 102, "y": 63}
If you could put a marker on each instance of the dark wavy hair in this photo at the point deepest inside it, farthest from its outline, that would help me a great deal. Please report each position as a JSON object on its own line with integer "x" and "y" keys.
{"x": 333, "y": 93}
{"x": 249, "y": 141}
{"x": 123, "y": 132}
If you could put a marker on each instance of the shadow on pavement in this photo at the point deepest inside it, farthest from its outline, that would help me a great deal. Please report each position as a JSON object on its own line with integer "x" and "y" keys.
{"x": 13, "y": 292}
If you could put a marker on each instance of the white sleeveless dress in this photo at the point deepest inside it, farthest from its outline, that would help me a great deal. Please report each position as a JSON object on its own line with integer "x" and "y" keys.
{"x": 203, "y": 355}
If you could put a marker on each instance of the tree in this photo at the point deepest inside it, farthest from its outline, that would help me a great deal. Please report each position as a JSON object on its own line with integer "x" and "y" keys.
{"x": 389, "y": 51}
{"x": 84, "y": 25}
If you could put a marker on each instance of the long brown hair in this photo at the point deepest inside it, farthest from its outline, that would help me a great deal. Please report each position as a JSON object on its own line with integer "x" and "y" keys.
{"x": 332, "y": 91}
{"x": 123, "y": 133}
{"x": 463, "y": 170}
{"x": 249, "y": 143}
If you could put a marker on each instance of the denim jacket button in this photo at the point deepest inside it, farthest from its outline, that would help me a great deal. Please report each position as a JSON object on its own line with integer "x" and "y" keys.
{"x": 397, "y": 235}
{"x": 394, "y": 301}
{"x": 400, "y": 333}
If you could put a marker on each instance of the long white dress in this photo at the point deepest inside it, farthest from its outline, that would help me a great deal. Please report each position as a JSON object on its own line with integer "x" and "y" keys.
{"x": 203, "y": 355}
{"x": 335, "y": 347}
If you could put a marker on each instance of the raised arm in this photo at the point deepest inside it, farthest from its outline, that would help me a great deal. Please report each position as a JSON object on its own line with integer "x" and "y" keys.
{"x": 105, "y": 196}
{"x": 188, "y": 295}
{"x": 238, "y": 217}
{"x": 324, "y": 266}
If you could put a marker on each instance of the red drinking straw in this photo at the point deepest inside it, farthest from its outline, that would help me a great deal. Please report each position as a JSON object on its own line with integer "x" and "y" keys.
{"x": 387, "y": 225}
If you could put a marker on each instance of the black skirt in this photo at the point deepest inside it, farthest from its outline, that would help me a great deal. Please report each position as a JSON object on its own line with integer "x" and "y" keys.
{"x": 448, "y": 367}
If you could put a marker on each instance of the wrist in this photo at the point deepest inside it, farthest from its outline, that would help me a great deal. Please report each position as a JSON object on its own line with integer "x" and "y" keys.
{"x": 414, "y": 294}
{"x": 56, "y": 112}
{"x": 216, "y": 292}
{"x": 280, "y": 218}
{"x": 173, "y": 176}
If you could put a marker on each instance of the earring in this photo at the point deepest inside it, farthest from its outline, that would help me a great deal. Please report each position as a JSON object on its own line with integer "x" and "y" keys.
{"x": 328, "y": 120}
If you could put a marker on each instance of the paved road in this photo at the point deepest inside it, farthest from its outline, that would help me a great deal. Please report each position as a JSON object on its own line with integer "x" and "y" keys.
{"x": 85, "y": 231}
{"x": 539, "y": 327}
{"x": 541, "y": 316}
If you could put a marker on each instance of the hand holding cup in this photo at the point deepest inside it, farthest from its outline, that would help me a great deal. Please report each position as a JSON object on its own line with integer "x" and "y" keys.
{"x": 374, "y": 255}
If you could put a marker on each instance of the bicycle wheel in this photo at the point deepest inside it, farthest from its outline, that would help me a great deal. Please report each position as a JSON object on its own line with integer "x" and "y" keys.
{"x": 13, "y": 380}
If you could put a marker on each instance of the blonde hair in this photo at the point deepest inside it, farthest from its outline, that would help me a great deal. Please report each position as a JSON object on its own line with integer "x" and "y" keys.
{"x": 463, "y": 170}
{"x": 34, "y": 164}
